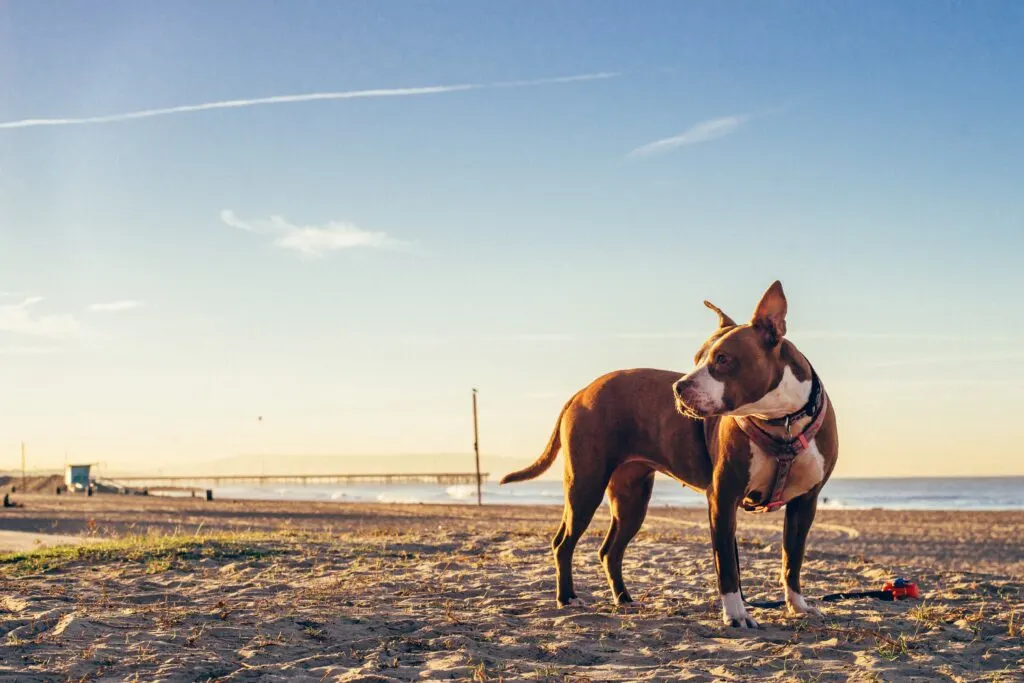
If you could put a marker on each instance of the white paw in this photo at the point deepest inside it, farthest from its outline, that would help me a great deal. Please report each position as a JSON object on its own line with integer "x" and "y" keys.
{"x": 573, "y": 602}
{"x": 734, "y": 612}
{"x": 796, "y": 605}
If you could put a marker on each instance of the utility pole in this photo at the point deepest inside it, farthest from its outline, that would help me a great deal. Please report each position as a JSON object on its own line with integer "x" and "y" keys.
{"x": 476, "y": 450}
{"x": 22, "y": 465}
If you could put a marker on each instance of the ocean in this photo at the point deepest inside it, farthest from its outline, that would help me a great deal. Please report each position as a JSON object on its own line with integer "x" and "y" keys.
{"x": 961, "y": 493}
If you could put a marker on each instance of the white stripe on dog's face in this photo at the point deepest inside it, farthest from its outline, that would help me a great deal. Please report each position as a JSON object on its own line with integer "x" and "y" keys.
{"x": 704, "y": 393}
{"x": 790, "y": 396}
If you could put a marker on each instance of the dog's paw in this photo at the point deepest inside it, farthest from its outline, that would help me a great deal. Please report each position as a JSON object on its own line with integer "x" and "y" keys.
{"x": 623, "y": 600}
{"x": 572, "y": 602}
{"x": 796, "y": 605}
{"x": 734, "y": 612}
{"x": 744, "y": 621}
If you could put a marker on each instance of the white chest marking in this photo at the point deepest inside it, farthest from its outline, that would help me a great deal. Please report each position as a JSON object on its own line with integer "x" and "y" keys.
{"x": 807, "y": 472}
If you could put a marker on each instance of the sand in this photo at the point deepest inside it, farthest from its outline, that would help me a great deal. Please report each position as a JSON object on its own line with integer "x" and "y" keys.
{"x": 267, "y": 591}
{"x": 25, "y": 541}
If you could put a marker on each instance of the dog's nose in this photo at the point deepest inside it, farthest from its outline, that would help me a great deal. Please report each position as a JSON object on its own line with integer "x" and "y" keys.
{"x": 678, "y": 388}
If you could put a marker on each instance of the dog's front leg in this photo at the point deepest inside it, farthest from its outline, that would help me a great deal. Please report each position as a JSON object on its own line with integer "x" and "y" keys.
{"x": 799, "y": 517}
{"x": 723, "y": 540}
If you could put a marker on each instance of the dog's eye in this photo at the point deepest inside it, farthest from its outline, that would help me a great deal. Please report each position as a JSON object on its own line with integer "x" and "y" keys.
{"x": 721, "y": 359}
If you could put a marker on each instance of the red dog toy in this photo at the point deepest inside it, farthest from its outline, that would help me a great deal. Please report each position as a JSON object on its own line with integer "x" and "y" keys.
{"x": 901, "y": 588}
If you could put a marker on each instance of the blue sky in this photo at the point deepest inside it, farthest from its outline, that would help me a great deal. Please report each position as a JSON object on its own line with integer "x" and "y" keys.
{"x": 580, "y": 177}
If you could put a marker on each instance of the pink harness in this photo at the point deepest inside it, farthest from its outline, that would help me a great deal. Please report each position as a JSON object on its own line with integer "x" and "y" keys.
{"x": 785, "y": 451}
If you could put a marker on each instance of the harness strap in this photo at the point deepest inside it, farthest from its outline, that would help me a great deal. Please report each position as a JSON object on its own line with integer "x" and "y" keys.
{"x": 783, "y": 464}
{"x": 784, "y": 451}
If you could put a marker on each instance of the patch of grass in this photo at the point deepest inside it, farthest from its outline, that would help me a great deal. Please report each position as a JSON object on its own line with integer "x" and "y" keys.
{"x": 891, "y": 650}
{"x": 449, "y": 612}
{"x": 931, "y": 615}
{"x": 811, "y": 678}
{"x": 158, "y": 564}
{"x": 888, "y": 648}
{"x": 485, "y": 672}
{"x": 1015, "y": 626}
{"x": 155, "y": 553}
{"x": 547, "y": 673}
{"x": 316, "y": 634}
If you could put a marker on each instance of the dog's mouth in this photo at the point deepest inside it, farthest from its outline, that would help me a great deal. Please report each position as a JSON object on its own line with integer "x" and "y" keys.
{"x": 688, "y": 411}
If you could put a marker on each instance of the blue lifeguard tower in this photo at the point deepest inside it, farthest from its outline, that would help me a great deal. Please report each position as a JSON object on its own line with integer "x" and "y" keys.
{"x": 77, "y": 477}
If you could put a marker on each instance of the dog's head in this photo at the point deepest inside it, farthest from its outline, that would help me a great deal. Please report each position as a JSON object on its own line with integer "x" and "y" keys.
{"x": 741, "y": 368}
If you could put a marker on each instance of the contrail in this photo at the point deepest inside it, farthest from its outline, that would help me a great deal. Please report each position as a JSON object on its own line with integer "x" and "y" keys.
{"x": 305, "y": 97}
{"x": 705, "y": 131}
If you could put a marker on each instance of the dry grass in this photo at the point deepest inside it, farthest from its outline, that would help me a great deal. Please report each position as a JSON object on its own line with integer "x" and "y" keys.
{"x": 155, "y": 553}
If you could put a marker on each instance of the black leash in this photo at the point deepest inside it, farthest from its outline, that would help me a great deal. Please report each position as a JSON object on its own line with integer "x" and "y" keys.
{"x": 897, "y": 589}
{"x": 888, "y": 596}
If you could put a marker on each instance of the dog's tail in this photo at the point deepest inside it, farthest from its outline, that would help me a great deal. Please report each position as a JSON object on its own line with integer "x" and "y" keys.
{"x": 546, "y": 458}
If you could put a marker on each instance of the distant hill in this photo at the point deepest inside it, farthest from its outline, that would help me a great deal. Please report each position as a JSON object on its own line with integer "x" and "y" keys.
{"x": 33, "y": 484}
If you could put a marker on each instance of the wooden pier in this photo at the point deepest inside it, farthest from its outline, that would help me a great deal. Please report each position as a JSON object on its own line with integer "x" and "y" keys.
{"x": 443, "y": 478}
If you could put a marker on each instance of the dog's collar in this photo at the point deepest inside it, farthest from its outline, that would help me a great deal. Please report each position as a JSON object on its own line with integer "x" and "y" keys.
{"x": 810, "y": 409}
{"x": 785, "y": 450}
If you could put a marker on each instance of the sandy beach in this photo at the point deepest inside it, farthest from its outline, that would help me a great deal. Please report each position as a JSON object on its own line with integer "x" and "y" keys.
{"x": 187, "y": 590}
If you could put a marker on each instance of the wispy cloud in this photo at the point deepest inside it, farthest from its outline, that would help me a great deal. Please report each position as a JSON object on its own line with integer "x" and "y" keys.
{"x": 544, "y": 337}
{"x": 312, "y": 241}
{"x": 304, "y": 97}
{"x": 705, "y": 131}
{"x": 544, "y": 395}
{"x": 115, "y": 306}
{"x": 21, "y": 319}
{"x": 981, "y": 357}
{"x": 660, "y": 335}
{"x": 981, "y": 337}
{"x": 839, "y": 335}
{"x": 858, "y": 334}
{"x": 903, "y": 383}
{"x": 504, "y": 338}
{"x": 28, "y": 350}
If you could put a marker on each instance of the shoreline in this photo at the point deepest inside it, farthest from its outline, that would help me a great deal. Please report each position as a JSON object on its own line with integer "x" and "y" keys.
{"x": 970, "y": 494}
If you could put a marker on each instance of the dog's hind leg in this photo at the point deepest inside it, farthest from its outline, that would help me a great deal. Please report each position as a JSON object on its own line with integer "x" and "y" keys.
{"x": 629, "y": 492}
{"x": 582, "y": 499}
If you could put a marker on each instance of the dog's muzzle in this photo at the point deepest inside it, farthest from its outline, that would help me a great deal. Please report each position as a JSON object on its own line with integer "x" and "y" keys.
{"x": 680, "y": 390}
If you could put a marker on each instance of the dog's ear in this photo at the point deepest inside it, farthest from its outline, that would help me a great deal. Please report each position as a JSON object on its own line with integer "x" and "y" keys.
{"x": 770, "y": 315}
{"x": 723, "y": 319}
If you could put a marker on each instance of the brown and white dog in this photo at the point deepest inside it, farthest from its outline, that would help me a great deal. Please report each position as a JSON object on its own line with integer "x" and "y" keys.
{"x": 751, "y": 426}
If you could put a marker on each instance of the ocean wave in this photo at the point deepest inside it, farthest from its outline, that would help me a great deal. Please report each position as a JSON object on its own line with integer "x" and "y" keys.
{"x": 536, "y": 494}
{"x": 461, "y": 491}
{"x": 386, "y": 497}
{"x": 891, "y": 494}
